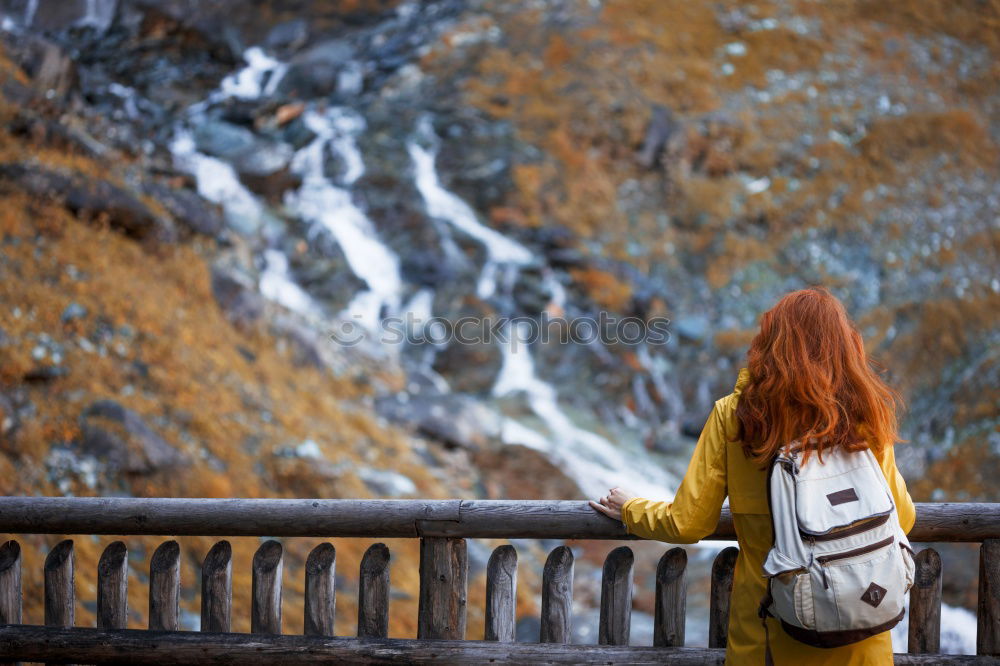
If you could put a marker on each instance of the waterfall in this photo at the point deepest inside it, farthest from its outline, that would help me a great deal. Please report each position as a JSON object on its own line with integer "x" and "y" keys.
{"x": 444, "y": 205}
{"x": 217, "y": 181}
{"x": 331, "y": 207}
{"x": 278, "y": 286}
{"x": 591, "y": 460}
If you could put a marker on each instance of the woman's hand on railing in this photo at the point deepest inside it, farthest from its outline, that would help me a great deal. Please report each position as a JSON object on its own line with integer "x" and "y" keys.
{"x": 611, "y": 504}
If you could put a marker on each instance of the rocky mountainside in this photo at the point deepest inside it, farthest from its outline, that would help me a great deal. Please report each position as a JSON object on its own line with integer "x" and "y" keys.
{"x": 215, "y": 214}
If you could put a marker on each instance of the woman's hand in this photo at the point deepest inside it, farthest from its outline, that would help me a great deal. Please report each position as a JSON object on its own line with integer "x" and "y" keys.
{"x": 611, "y": 504}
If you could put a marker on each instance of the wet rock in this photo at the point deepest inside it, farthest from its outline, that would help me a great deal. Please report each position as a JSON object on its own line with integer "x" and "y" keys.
{"x": 288, "y": 36}
{"x": 316, "y": 72}
{"x": 120, "y": 438}
{"x": 45, "y": 373}
{"x": 188, "y": 208}
{"x": 297, "y": 134}
{"x": 328, "y": 279}
{"x": 386, "y": 483}
{"x": 10, "y": 421}
{"x": 237, "y": 295}
{"x": 261, "y": 163}
{"x": 73, "y": 311}
{"x": 531, "y": 294}
{"x": 693, "y": 328}
{"x": 264, "y": 168}
{"x": 52, "y": 72}
{"x": 471, "y": 367}
{"x": 60, "y": 15}
{"x": 455, "y": 420}
{"x": 224, "y": 140}
{"x": 84, "y": 196}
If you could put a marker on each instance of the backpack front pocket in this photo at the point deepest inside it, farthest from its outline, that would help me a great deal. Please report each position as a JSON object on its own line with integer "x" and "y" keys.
{"x": 867, "y": 582}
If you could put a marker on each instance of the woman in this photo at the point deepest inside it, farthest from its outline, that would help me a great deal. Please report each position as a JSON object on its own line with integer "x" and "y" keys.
{"x": 808, "y": 378}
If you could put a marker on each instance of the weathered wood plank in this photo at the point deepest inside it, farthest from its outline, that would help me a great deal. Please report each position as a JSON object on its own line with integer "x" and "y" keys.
{"x": 217, "y": 588}
{"x": 501, "y": 594}
{"x": 265, "y": 613}
{"x": 60, "y": 601}
{"x": 722, "y": 588}
{"x": 443, "y": 587}
{"x": 925, "y": 604}
{"x": 10, "y": 583}
{"x": 671, "y": 599}
{"x": 373, "y": 593}
{"x": 616, "y": 597}
{"x": 557, "y": 597}
{"x": 112, "y": 587}
{"x": 321, "y": 591}
{"x": 988, "y": 614}
{"x": 936, "y": 522}
{"x": 165, "y": 586}
{"x": 10, "y": 586}
{"x": 130, "y": 646}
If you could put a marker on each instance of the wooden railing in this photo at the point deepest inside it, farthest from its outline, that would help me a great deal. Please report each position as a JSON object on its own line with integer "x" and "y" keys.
{"x": 442, "y": 527}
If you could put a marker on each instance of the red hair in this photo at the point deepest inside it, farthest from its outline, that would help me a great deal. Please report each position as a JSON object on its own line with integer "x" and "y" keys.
{"x": 811, "y": 382}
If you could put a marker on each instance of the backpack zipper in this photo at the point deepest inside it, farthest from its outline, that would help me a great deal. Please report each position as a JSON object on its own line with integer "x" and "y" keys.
{"x": 851, "y": 531}
{"x": 826, "y": 559}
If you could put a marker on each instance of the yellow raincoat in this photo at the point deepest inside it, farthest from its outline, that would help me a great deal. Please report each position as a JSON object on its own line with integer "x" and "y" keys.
{"x": 719, "y": 468}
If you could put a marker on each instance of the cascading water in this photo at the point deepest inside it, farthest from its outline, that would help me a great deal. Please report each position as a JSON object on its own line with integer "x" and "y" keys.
{"x": 591, "y": 460}
{"x": 501, "y": 252}
{"x": 217, "y": 181}
{"x": 331, "y": 207}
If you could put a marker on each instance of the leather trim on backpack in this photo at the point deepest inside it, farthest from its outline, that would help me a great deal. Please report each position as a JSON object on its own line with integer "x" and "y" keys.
{"x": 832, "y": 639}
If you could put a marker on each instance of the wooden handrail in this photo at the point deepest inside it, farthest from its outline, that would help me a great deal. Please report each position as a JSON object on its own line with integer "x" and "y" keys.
{"x": 936, "y": 522}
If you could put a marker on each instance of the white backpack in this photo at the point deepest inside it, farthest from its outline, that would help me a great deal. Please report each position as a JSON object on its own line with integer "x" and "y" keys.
{"x": 841, "y": 565}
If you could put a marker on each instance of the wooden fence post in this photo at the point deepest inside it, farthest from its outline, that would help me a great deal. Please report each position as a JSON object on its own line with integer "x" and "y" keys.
{"x": 988, "y": 630}
{"x": 265, "y": 614}
{"x": 557, "y": 597}
{"x": 616, "y": 598}
{"x": 722, "y": 588}
{"x": 925, "y": 604}
{"x": 321, "y": 591}
{"x": 112, "y": 587}
{"x": 217, "y": 588}
{"x": 501, "y": 595}
{"x": 443, "y": 585}
{"x": 10, "y": 585}
{"x": 164, "y": 586}
{"x": 59, "y": 593}
{"x": 671, "y": 598}
{"x": 373, "y": 593}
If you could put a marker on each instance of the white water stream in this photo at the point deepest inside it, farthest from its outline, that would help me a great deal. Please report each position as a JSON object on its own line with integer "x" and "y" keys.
{"x": 331, "y": 207}
{"x": 501, "y": 252}
{"x": 591, "y": 460}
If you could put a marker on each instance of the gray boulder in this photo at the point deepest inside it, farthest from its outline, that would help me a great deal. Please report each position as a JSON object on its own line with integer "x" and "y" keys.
{"x": 316, "y": 72}
{"x": 119, "y": 437}
{"x": 455, "y": 420}
{"x": 237, "y": 295}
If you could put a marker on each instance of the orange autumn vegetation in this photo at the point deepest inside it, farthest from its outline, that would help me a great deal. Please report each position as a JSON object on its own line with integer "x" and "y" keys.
{"x": 582, "y": 93}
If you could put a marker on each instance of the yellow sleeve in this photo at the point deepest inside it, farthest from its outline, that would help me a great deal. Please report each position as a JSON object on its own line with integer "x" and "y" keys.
{"x": 694, "y": 512}
{"x": 904, "y": 503}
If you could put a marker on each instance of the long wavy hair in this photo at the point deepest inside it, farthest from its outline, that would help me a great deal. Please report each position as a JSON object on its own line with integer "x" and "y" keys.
{"x": 812, "y": 384}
